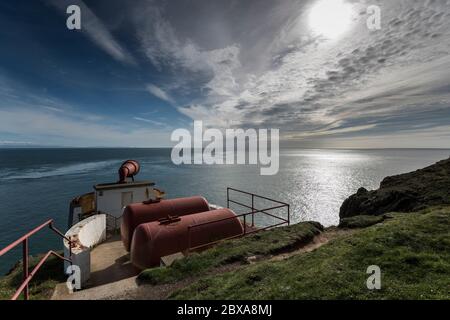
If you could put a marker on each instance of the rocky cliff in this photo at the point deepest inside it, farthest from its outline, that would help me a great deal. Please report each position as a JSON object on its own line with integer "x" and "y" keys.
{"x": 407, "y": 192}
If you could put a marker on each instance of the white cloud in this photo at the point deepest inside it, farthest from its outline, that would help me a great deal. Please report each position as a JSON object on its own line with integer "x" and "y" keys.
{"x": 15, "y": 143}
{"x": 55, "y": 109}
{"x": 45, "y": 120}
{"x": 328, "y": 132}
{"x": 94, "y": 28}
{"x": 149, "y": 121}
{"x": 159, "y": 93}
{"x": 72, "y": 131}
{"x": 277, "y": 74}
{"x": 165, "y": 49}
{"x": 436, "y": 137}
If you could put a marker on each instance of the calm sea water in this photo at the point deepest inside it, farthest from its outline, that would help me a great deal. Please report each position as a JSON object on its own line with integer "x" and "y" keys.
{"x": 38, "y": 184}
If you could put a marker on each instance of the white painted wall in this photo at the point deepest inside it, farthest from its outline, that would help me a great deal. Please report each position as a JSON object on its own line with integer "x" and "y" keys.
{"x": 89, "y": 232}
{"x": 111, "y": 201}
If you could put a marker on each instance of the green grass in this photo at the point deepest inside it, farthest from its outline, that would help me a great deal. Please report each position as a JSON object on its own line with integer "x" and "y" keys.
{"x": 411, "y": 249}
{"x": 237, "y": 250}
{"x": 43, "y": 283}
{"x": 362, "y": 221}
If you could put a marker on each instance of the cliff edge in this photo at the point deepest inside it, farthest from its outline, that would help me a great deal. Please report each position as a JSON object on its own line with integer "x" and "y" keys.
{"x": 407, "y": 192}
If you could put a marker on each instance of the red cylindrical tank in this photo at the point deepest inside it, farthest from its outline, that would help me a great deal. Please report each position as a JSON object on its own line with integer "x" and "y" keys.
{"x": 137, "y": 213}
{"x": 154, "y": 240}
{"x": 129, "y": 168}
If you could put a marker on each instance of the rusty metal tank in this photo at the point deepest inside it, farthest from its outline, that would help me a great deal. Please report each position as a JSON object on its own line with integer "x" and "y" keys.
{"x": 157, "y": 239}
{"x": 128, "y": 169}
{"x": 137, "y": 213}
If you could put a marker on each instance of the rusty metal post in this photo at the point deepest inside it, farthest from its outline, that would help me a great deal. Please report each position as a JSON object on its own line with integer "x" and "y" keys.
{"x": 25, "y": 266}
{"x": 228, "y": 198}
{"x": 27, "y": 276}
{"x": 245, "y": 224}
{"x": 253, "y": 210}
{"x": 289, "y": 215}
{"x": 70, "y": 251}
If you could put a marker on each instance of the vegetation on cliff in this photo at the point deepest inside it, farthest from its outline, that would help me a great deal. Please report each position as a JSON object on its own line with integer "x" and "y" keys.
{"x": 43, "y": 283}
{"x": 235, "y": 251}
{"x": 407, "y": 192}
{"x": 410, "y": 248}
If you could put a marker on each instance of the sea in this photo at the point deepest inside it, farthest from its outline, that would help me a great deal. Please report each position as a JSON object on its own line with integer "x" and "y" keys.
{"x": 38, "y": 184}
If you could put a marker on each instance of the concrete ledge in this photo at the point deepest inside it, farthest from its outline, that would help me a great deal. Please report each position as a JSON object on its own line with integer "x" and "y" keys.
{"x": 167, "y": 261}
{"x": 85, "y": 234}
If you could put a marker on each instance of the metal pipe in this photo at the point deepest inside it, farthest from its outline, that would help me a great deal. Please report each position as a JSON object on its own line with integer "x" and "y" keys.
{"x": 289, "y": 215}
{"x": 248, "y": 207}
{"x": 238, "y": 216}
{"x": 20, "y": 240}
{"x": 263, "y": 210}
{"x": 253, "y": 209}
{"x": 258, "y": 196}
{"x": 24, "y": 285}
{"x": 25, "y": 266}
{"x": 25, "y": 256}
{"x": 53, "y": 228}
{"x": 253, "y": 212}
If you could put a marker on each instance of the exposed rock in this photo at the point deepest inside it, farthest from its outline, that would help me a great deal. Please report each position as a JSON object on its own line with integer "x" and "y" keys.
{"x": 407, "y": 192}
{"x": 363, "y": 221}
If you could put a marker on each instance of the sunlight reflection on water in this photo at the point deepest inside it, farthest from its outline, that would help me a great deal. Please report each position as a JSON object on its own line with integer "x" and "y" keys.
{"x": 320, "y": 180}
{"x": 36, "y": 185}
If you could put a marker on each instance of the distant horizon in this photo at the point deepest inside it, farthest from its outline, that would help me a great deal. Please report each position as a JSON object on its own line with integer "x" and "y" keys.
{"x": 281, "y": 147}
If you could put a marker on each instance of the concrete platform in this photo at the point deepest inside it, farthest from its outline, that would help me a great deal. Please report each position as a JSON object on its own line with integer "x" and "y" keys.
{"x": 110, "y": 262}
{"x": 112, "y": 274}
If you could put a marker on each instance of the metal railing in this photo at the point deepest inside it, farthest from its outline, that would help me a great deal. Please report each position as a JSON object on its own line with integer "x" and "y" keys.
{"x": 114, "y": 218}
{"x": 252, "y": 207}
{"x": 247, "y": 229}
{"x": 28, "y": 276}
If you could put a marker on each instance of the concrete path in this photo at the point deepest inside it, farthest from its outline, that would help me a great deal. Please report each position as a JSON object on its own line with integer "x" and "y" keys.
{"x": 111, "y": 271}
{"x": 110, "y": 262}
{"x": 103, "y": 292}
{"x": 113, "y": 276}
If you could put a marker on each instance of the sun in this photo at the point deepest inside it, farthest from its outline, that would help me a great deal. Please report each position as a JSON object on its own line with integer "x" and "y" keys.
{"x": 330, "y": 18}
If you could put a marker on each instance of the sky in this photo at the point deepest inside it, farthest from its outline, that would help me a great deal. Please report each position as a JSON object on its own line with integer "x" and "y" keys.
{"x": 139, "y": 69}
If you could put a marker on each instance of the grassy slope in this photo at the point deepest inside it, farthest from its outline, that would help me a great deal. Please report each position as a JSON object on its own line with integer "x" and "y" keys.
{"x": 361, "y": 221}
{"x": 237, "y": 250}
{"x": 411, "y": 249}
{"x": 42, "y": 284}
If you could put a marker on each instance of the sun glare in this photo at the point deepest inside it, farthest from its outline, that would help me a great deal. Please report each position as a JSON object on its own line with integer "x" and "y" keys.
{"x": 330, "y": 18}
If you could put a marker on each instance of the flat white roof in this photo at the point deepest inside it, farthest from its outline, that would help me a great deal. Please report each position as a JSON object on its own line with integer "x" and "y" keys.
{"x": 114, "y": 185}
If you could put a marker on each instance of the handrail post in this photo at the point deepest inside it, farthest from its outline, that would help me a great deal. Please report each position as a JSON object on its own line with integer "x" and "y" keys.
{"x": 243, "y": 217}
{"x": 70, "y": 251}
{"x": 25, "y": 266}
{"x": 289, "y": 215}
{"x": 253, "y": 210}
{"x": 24, "y": 240}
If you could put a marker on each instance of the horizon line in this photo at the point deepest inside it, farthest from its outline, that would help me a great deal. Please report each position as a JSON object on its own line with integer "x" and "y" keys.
{"x": 169, "y": 147}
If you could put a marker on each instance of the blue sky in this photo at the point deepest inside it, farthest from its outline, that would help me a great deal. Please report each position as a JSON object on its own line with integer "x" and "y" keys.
{"x": 140, "y": 69}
